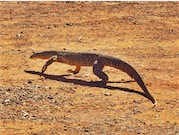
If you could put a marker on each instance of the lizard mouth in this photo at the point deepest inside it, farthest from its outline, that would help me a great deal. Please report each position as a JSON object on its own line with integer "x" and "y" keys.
{"x": 33, "y": 56}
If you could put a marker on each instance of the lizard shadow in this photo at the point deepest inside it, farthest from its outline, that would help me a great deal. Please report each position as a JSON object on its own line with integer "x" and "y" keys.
{"x": 98, "y": 84}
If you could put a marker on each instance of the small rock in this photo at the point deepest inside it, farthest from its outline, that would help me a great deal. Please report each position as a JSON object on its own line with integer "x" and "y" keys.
{"x": 107, "y": 94}
{"x": 69, "y": 24}
{"x": 29, "y": 81}
{"x": 7, "y": 102}
{"x": 50, "y": 97}
{"x": 46, "y": 87}
{"x": 19, "y": 35}
{"x": 38, "y": 86}
{"x": 55, "y": 25}
{"x": 79, "y": 38}
{"x": 136, "y": 111}
{"x": 25, "y": 114}
{"x": 72, "y": 90}
{"x": 8, "y": 89}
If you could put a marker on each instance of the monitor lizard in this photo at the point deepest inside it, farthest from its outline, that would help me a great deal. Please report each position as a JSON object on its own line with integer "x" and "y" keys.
{"x": 97, "y": 61}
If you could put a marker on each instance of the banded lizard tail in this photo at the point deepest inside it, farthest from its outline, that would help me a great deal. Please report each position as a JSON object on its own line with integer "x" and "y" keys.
{"x": 97, "y": 61}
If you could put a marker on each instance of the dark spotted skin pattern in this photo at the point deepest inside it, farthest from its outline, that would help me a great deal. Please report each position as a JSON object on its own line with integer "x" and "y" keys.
{"x": 97, "y": 61}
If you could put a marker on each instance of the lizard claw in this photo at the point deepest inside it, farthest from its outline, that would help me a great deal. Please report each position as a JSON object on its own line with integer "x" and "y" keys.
{"x": 71, "y": 71}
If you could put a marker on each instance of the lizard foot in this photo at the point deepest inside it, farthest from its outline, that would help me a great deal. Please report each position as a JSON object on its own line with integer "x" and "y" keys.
{"x": 102, "y": 83}
{"x": 99, "y": 83}
{"x": 72, "y": 71}
{"x": 43, "y": 69}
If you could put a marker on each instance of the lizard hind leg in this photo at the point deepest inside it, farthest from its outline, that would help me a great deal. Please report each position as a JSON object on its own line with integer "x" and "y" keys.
{"x": 97, "y": 70}
{"x": 77, "y": 69}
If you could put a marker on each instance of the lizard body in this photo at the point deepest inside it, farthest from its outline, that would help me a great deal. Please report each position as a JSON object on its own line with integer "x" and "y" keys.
{"x": 97, "y": 61}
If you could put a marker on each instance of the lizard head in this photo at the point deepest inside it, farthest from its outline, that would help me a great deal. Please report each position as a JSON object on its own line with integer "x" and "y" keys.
{"x": 43, "y": 55}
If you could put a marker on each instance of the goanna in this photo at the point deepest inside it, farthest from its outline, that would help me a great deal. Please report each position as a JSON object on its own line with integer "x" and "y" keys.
{"x": 97, "y": 61}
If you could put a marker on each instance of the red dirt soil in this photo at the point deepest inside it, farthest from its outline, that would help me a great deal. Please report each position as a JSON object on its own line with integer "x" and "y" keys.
{"x": 144, "y": 34}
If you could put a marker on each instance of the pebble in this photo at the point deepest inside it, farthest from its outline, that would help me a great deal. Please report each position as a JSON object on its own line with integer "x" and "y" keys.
{"x": 107, "y": 94}
{"x": 29, "y": 81}
{"x": 18, "y": 35}
{"x": 7, "y": 102}
{"x": 50, "y": 97}
{"x": 69, "y": 24}
{"x": 25, "y": 114}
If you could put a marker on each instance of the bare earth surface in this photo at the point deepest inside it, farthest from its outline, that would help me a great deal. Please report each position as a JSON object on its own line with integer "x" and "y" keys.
{"x": 145, "y": 35}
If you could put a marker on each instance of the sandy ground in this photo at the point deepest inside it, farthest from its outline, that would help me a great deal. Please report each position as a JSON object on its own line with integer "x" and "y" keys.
{"x": 145, "y": 35}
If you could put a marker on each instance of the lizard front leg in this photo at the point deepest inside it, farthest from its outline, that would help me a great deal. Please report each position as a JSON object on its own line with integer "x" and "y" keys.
{"x": 49, "y": 62}
{"x": 77, "y": 69}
